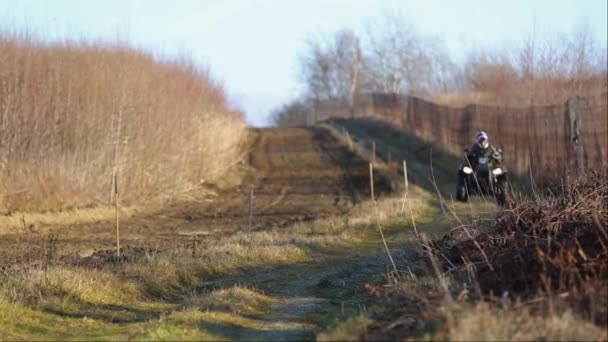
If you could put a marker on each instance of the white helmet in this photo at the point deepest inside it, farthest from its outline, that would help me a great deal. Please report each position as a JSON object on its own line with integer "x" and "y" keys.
{"x": 482, "y": 139}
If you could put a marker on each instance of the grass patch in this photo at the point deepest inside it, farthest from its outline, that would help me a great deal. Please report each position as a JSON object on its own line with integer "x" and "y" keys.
{"x": 348, "y": 330}
{"x": 483, "y": 323}
{"x": 116, "y": 297}
{"x": 62, "y": 284}
{"x": 19, "y": 322}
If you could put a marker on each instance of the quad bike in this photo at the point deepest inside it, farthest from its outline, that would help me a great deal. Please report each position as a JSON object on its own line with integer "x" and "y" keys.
{"x": 483, "y": 177}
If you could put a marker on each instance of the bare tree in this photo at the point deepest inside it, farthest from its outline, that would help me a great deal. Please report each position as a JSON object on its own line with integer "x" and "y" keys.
{"x": 331, "y": 68}
{"x": 395, "y": 58}
{"x": 489, "y": 70}
{"x": 402, "y": 60}
{"x": 583, "y": 51}
{"x": 317, "y": 69}
{"x": 348, "y": 60}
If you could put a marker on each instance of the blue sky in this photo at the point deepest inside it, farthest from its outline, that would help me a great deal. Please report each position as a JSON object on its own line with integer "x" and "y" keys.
{"x": 252, "y": 46}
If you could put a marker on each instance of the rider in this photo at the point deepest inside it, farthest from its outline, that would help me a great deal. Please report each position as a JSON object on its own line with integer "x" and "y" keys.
{"x": 482, "y": 150}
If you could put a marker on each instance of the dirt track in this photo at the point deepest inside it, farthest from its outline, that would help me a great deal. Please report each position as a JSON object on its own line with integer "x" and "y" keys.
{"x": 297, "y": 174}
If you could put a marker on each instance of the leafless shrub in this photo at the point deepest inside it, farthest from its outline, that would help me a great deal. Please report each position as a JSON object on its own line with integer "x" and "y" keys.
{"x": 546, "y": 68}
{"x": 70, "y": 112}
{"x": 544, "y": 261}
{"x": 550, "y": 247}
{"x": 402, "y": 60}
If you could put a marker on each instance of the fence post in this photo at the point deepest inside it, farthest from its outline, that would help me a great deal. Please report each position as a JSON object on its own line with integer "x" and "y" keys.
{"x": 575, "y": 125}
{"x": 371, "y": 180}
{"x": 116, "y": 210}
{"x": 407, "y": 188}
{"x": 373, "y": 151}
{"x": 251, "y": 196}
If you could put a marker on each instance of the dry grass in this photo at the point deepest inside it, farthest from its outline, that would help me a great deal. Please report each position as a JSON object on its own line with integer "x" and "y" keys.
{"x": 164, "y": 274}
{"x": 235, "y": 299}
{"x": 394, "y": 209}
{"x": 60, "y": 284}
{"x": 348, "y": 330}
{"x": 137, "y": 291}
{"x": 14, "y": 223}
{"x": 539, "y": 92}
{"x": 483, "y": 323}
{"x": 71, "y": 112}
{"x": 140, "y": 289}
{"x": 100, "y": 279}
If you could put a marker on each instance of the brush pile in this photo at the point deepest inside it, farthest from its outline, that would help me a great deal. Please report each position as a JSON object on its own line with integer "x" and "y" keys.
{"x": 551, "y": 247}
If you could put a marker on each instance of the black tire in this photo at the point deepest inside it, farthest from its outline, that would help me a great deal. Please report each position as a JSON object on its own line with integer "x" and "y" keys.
{"x": 462, "y": 194}
{"x": 501, "y": 195}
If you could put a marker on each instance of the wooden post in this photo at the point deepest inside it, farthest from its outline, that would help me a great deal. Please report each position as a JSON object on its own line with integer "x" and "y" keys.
{"x": 575, "y": 125}
{"x": 371, "y": 180}
{"x": 350, "y": 141}
{"x": 112, "y": 187}
{"x": 116, "y": 210}
{"x": 250, "y": 211}
{"x": 405, "y": 177}
{"x": 373, "y": 151}
{"x": 406, "y": 199}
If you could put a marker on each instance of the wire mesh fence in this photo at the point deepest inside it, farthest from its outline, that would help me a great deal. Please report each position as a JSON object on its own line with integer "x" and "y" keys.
{"x": 546, "y": 142}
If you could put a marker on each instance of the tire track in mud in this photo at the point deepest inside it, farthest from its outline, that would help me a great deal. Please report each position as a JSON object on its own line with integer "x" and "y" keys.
{"x": 301, "y": 174}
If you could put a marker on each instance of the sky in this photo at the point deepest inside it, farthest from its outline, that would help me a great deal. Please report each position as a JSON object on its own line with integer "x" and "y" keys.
{"x": 252, "y": 46}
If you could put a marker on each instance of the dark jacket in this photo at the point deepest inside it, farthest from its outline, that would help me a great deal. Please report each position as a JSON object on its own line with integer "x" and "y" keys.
{"x": 491, "y": 154}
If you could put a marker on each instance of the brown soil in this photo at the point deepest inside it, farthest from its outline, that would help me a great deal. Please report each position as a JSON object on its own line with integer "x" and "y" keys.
{"x": 296, "y": 174}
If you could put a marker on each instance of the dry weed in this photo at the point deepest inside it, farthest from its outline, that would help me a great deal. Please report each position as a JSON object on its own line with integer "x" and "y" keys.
{"x": 73, "y": 112}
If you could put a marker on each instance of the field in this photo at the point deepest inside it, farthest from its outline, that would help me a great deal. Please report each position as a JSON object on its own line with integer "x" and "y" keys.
{"x": 190, "y": 263}
{"x": 235, "y": 233}
{"x": 305, "y": 256}
{"x": 193, "y": 267}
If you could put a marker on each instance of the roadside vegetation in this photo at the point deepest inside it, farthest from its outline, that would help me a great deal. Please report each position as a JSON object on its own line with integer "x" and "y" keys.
{"x": 213, "y": 287}
{"x": 535, "y": 272}
{"x": 75, "y": 112}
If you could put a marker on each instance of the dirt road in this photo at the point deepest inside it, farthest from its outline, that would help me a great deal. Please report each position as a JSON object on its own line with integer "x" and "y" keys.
{"x": 296, "y": 174}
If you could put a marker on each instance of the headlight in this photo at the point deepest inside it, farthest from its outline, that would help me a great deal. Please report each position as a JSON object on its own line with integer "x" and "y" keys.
{"x": 497, "y": 171}
{"x": 467, "y": 170}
